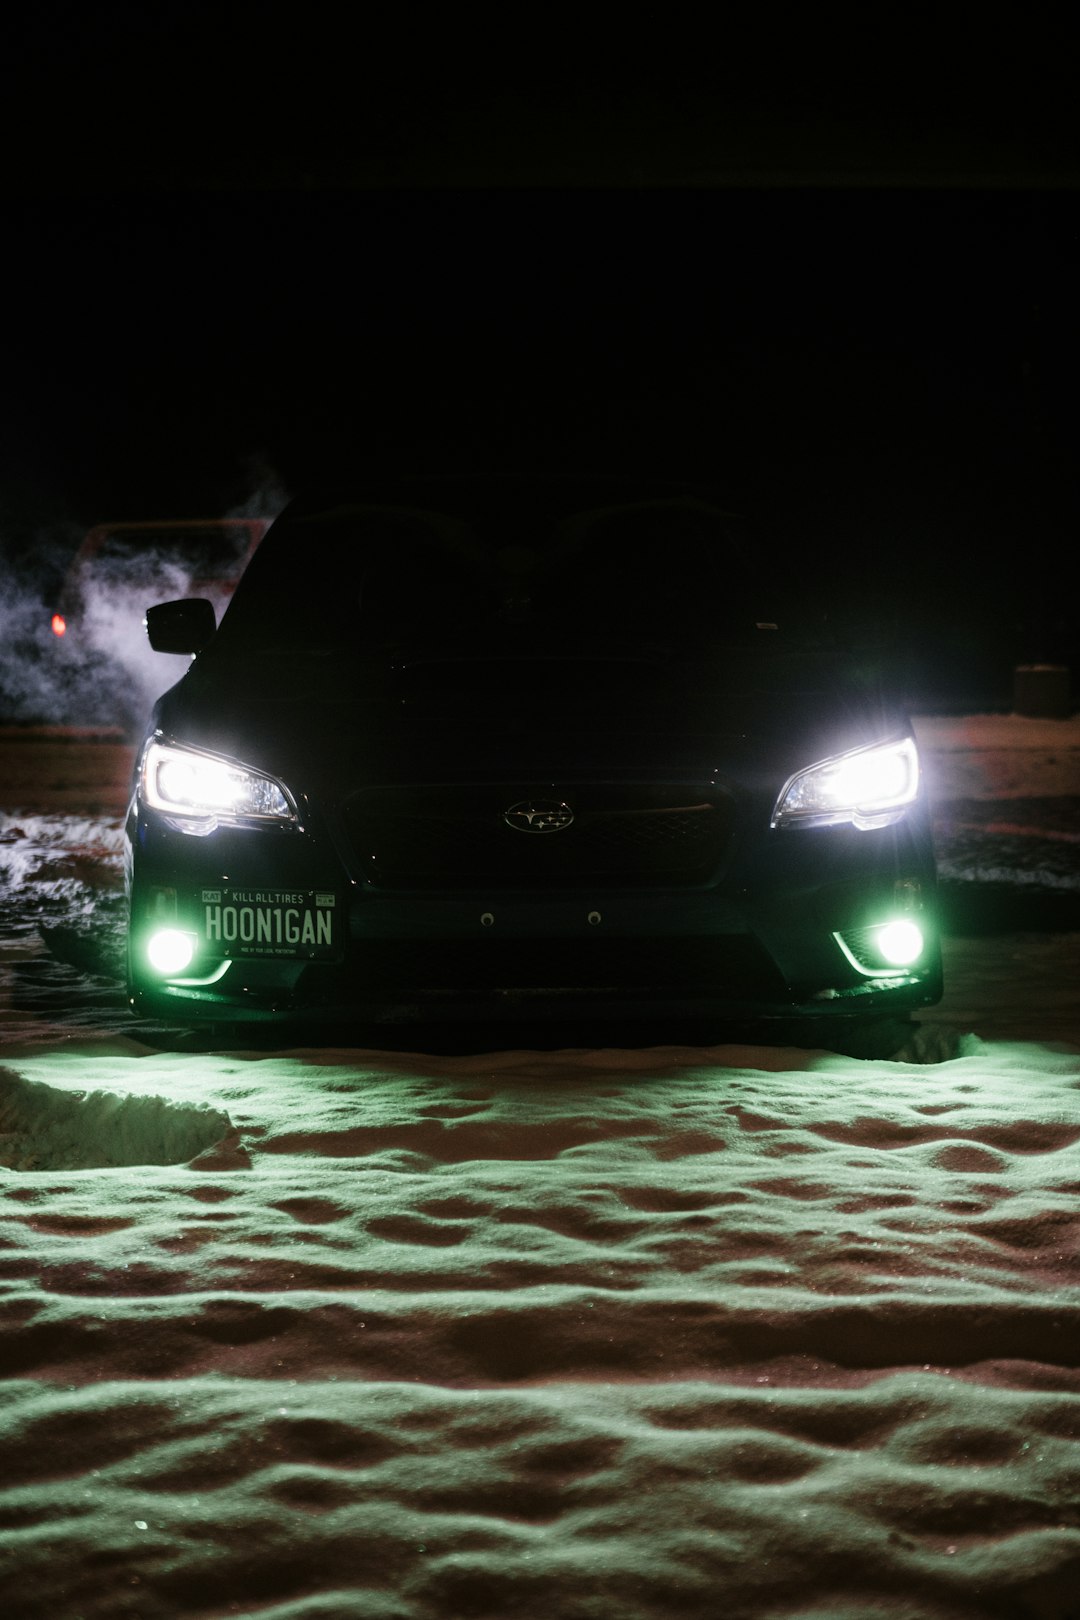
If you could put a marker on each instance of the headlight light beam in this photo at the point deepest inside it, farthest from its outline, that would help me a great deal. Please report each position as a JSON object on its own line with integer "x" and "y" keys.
{"x": 187, "y": 782}
{"x": 868, "y": 787}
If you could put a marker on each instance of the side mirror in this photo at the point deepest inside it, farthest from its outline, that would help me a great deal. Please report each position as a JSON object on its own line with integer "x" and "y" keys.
{"x": 181, "y": 627}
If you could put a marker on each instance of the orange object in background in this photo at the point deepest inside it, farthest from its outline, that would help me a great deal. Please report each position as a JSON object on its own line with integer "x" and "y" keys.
{"x": 59, "y": 625}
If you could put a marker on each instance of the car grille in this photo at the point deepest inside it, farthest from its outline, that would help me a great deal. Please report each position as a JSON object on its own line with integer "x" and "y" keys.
{"x": 457, "y": 838}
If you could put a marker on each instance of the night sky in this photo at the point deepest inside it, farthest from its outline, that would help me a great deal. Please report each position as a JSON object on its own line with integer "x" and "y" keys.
{"x": 849, "y": 298}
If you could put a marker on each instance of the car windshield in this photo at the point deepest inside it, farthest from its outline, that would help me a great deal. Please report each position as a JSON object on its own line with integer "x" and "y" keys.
{"x": 381, "y": 574}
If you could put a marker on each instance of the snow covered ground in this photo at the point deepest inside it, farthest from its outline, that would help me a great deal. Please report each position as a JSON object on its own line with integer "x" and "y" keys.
{"x": 601, "y": 1331}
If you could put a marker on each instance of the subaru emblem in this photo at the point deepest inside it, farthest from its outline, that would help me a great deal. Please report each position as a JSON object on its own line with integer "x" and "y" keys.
{"x": 538, "y": 816}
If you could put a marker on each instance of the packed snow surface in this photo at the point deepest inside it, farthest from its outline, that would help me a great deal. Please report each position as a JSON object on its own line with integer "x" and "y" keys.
{"x": 584, "y": 1333}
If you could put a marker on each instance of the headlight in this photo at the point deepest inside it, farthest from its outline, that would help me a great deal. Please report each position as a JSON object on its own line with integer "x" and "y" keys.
{"x": 185, "y": 782}
{"x": 869, "y": 787}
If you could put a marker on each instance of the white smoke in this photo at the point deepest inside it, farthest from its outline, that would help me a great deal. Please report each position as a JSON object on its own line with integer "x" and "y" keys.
{"x": 266, "y": 492}
{"x": 112, "y": 636}
{"x": 102, "y": 671}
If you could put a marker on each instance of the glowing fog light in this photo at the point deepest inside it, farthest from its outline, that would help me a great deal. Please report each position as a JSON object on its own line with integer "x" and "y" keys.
{"x": 881, "y": 950}
{"x": 901, "y": 942}
{"x": 170, "y": 951}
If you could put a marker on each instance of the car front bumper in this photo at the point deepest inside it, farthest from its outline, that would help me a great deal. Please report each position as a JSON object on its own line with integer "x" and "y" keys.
{"x": 780, "y": 933}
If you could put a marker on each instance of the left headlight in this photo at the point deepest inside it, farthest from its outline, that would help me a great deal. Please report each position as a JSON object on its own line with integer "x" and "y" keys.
{"x": 868, "y": 786}
{"x": 187, "y": 782}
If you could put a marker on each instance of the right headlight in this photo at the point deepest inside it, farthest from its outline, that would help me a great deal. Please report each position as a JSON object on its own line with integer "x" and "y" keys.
{"x": 868, "y": 787}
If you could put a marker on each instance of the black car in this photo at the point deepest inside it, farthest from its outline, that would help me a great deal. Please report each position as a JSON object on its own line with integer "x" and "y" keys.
{"x": 463, "y": 748}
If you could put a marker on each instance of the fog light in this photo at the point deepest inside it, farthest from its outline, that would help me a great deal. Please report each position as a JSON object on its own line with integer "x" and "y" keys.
{"x": 170, "y": 951}
{"x": 901, "y": 942}
{"x": 883, "y": 950}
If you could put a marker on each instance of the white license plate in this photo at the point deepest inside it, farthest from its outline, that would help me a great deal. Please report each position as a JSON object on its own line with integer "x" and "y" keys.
{"x": 298, "y": 923}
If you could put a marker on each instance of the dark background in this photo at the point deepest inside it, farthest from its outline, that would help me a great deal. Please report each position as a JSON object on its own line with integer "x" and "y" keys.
{"x": 834, "y": 273}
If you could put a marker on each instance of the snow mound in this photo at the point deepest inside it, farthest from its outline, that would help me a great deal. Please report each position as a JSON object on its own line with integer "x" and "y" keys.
{"x": 44, "y": 1127}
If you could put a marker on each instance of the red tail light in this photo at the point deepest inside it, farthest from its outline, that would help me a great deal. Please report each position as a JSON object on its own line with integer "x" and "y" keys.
{"x": 59, "y": 625}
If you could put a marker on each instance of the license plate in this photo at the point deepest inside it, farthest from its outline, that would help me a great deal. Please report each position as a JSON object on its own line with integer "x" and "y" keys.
{"x": 297, "y": 923}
